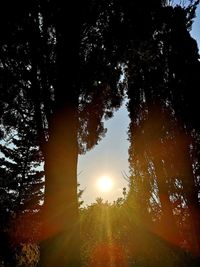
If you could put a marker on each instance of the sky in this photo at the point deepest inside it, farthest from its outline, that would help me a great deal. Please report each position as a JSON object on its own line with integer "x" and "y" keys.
{"x": 110, "y": 156}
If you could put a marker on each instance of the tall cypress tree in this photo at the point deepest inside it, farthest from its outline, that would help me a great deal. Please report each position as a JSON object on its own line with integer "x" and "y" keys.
{"x": 163, "y": 104}
{"x": 67, "y": 69}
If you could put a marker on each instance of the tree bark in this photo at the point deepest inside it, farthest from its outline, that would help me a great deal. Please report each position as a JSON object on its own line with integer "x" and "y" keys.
{"x": 190, "y": 191}
{"x": 167, "y": 227}
{"x": 60, "y": 235}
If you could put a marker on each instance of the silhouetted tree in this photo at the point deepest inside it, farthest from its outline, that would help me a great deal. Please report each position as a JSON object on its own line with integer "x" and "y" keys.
{"x": 21, "y": 190}
{"x": 163, "y": 104}
{"x": 64, "y": 73}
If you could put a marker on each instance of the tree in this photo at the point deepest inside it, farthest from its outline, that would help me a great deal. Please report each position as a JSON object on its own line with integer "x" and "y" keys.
{"x": 22, "y": 185}
{"x": 35, "y": 57}
{"x": 68, "y": 70}
{"x": 161, "y": 86}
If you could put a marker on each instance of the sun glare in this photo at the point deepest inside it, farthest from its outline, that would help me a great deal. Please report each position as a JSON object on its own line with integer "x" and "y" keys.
{"x": 104, "y": 183}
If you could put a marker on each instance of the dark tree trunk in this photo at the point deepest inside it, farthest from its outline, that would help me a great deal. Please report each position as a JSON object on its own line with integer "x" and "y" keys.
{"x": 61, "y": 241}
{"x": 61, "y": 245}
{"x": 167, "y": 227}
{"x": 190, "y": 191}
{"x": 159, "y": 121}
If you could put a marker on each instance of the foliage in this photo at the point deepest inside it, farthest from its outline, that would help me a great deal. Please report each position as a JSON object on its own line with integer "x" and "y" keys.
{"x": 60, "y": 77}
{"x": 164, "y": 131}
{"x": 118, "y": 236}
{"x": 22, "y": 187}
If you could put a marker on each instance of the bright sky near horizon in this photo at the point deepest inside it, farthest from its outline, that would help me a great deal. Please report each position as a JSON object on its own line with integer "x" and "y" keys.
{"x": 110, "y": 156}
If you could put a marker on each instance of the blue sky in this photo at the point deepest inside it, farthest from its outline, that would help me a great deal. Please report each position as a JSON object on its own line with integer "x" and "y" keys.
{"x": 110, "y": 156}
{"x": 196, "y": 27}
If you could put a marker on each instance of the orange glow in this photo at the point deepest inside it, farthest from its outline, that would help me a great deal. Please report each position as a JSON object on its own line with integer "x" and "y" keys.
{"x": 107, "y": 255}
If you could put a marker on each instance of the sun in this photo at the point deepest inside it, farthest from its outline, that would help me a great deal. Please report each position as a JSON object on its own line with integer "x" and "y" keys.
{"x": 105, "y": 183}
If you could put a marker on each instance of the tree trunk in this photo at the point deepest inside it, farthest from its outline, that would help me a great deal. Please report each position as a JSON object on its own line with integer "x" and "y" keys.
{"x": 60, "y": 235}
{"x": 190, "y": 191}
{"x": 167, "y": 227}
{"x": 159, "y": 121}
{"x": 61, "y": 244}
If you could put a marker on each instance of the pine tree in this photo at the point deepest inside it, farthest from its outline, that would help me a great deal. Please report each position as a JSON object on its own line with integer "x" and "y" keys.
{"x": 22, "y": 186}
